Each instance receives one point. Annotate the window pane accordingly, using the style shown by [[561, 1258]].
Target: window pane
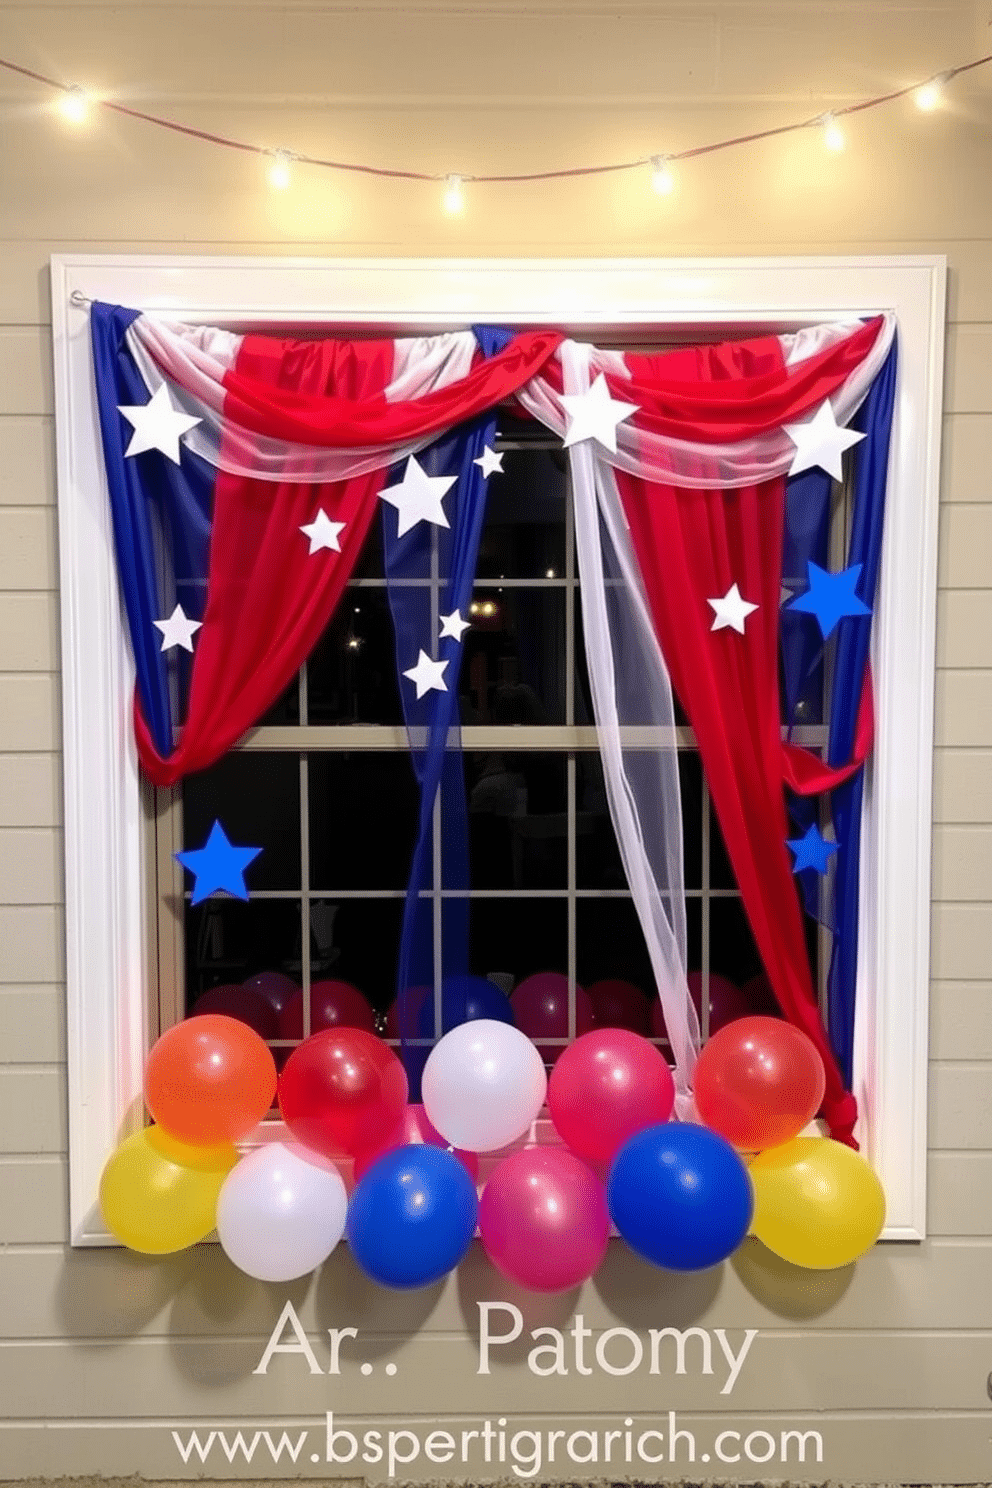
[[351, 674], [524, 536], [513, 670], [518, 828], [609, 944], [732, 950], [366, 940], [598, 864], [363, 816], [228, 940], [517, 937], [256, 799]]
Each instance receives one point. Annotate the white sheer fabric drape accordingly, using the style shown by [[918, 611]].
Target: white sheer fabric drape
[[635, 719]]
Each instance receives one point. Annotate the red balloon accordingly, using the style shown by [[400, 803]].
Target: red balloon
[[607, 1086], [413, 1129], [540, 1006], [619, 1004], [209, 1080], [332, 1005], [341, 1091], [758, 1082], [727, 1003], [543, 1219], [243, 1003]]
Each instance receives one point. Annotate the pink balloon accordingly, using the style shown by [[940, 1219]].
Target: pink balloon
[[540, 1006], [332, 1005], [607, 1086], [414, 1129], [276, 988], [543, 1219], [243, 1003], [727, 1003], [619, 1004]]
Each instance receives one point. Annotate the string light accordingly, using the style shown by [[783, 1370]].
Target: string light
[[833, 135], [74, 105], [453, 201], [930, 94], [279, 172], [662, 179]]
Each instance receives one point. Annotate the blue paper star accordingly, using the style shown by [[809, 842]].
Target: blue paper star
[[218, 865], [830, 596], [811, 850]]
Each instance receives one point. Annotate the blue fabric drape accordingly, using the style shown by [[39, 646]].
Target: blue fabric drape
[[161, 515], [853, 639], [450, 554], [834, 901]]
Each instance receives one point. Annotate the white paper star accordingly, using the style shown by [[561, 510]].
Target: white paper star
[[821, 441], [453, 625], [489, 462], [418, 497], [178, 630], [595, 415], [428, 675], [731, 611], [323, 533], [157, 425]]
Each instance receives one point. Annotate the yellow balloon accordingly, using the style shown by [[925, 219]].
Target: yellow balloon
[[817, 1203], [157, 1195]]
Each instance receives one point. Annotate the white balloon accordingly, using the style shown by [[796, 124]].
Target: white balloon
[[483, 1085], [281, 1212]]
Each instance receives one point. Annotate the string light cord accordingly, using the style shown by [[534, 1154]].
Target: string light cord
[[612, 168]]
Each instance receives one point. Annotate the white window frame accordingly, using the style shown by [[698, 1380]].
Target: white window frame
[[107, 918]]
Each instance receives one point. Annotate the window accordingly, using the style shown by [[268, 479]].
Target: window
[[114, 938]]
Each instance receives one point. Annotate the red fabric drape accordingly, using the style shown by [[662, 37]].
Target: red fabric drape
[[691, 547], [268, 598], [345, 417]]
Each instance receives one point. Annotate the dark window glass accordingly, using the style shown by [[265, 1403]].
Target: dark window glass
[[363, 815], [732, 950], [351, 675], [524, 535], [518, 828], [228, 940], [518, 937], [513, 665], [256, 799]]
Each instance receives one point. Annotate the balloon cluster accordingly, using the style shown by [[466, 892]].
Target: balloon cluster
[[682, 1195]]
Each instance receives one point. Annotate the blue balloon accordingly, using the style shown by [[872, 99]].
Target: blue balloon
[[680, 1196], [464, 998], [412, 1216]]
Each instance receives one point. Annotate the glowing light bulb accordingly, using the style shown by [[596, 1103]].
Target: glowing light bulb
[[453, 201], [833, 135], [74, 105], [928, 96], [279, 173], [661, 176]]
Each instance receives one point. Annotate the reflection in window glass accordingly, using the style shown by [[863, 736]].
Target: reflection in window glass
[[363, 814], [256, 799]]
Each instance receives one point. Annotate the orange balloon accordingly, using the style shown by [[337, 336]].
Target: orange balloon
[[209, 1080], [758, 1081]]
